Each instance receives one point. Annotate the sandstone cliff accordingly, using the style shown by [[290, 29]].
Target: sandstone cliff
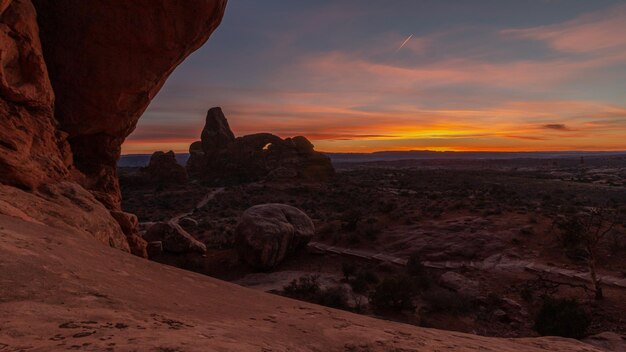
[[74, 78]]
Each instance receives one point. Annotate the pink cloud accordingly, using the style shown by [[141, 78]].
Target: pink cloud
[[598, 31]]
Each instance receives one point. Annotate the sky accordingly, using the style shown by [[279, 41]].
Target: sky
[[362, 76]]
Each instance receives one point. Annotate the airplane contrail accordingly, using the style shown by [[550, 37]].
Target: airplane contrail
[[404, 42]]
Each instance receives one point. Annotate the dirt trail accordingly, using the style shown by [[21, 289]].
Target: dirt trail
[[496, 262]]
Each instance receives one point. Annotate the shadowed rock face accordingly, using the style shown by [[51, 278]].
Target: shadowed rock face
[[220, 156], [107, 60], [163, 168], [32, 151], [66, 109]]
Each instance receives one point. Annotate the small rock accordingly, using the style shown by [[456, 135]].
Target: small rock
[[460, 284], [155, 248], [174, 239]]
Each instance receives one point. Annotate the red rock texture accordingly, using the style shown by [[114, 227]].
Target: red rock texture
[[74, 78], [107, 60], [32, 151]]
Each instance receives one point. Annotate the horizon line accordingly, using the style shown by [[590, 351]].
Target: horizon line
[[434, 151]]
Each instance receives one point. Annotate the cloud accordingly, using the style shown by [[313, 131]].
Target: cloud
[[477, 88], [556, 126], [527, 138], [594, 32]]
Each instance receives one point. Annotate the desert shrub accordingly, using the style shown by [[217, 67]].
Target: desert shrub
[[351, 219], [307, 288], [348, 270], [394, 294], [387, 207], [562, 317], [571, 232], [527, 294], [334, 297], [416, 269], [362, 280], [369, 229], [441, 300], [353, 239]]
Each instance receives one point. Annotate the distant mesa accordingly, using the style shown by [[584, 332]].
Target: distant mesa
[[220, 156], [164, 169]]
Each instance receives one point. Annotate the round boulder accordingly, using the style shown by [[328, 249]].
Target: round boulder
[[267, 233]]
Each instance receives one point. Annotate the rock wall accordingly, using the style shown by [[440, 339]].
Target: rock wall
[[107, 59], [75, 76], [33, 151]]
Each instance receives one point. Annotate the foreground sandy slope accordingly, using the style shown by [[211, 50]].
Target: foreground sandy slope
[[65, 291]]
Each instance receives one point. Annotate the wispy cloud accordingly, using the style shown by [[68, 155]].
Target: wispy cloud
[[462, 86], [596, 32]]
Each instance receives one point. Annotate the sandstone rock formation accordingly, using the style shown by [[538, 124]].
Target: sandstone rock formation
[[107, 60], [65, 109], [174, 239], [163, 168], [219, 156], [32, 150], [65, 206], [130, 227], [267, 233]]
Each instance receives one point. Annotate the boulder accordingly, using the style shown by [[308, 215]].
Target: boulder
[[130, 227], [163, 168], [459, 283], [174, 239], [219, 156], [154, 249], [607, 341], [268, 233]]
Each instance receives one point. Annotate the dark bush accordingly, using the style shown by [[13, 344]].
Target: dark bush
[[394, 294], [307, 288], [362, 281], [419, 273], [334, 297], [348, 270], [441, 300], [562, 317]]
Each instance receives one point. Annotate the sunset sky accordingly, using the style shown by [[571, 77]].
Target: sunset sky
[[474, 75]]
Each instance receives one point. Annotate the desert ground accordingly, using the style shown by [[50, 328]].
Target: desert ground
[[483, 231]]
